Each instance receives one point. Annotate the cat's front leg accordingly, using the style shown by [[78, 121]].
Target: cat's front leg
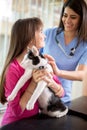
[[37, 92], [20, 83]]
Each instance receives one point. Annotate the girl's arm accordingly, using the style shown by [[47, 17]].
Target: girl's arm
[[36, 77], [51, 79], [55, 85], [27, 94]]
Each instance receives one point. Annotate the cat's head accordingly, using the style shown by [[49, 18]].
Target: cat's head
[[34, 59]]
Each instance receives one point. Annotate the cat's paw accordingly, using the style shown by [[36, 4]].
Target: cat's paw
[[62, 113], [10, 98], [29, 106]]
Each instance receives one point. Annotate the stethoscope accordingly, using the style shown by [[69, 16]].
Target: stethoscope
[[72, 50]]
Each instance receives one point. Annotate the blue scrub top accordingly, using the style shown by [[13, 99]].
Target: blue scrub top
[[64, 62]]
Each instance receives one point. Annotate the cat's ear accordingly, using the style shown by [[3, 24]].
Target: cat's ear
[[28, 49], [35, 51]]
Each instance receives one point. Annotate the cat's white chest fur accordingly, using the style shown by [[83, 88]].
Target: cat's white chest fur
[[44, 98]]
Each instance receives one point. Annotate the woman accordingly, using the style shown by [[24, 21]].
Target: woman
[[25, 33], [67, 44]]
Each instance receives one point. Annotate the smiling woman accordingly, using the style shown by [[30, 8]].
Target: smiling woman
[[71, 22], [67, 43]]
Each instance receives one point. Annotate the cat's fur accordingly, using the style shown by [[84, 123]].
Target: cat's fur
[[49, 103]]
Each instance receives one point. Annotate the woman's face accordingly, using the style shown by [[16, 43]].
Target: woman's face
[[71, 20], [39, 38]]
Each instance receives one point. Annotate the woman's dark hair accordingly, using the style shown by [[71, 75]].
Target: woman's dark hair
[[80, 7], [22, 33]]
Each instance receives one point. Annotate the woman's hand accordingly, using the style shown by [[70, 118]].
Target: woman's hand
[[51, 61]]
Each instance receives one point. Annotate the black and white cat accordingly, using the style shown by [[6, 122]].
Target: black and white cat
[[49, 103]]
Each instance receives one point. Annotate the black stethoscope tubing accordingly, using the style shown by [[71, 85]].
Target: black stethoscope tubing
[[72, 51]]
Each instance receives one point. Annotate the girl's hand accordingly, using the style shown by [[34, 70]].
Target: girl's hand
[[38, 75], [56, 87]]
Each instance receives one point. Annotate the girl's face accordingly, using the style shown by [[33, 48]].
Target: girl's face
[[39, 38], [71, 20]]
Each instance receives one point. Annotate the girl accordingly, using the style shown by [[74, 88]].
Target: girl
[[25, 33]]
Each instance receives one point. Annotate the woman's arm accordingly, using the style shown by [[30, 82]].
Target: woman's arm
[[78, 74]]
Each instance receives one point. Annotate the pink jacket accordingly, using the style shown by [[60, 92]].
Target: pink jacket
[[14, 111]]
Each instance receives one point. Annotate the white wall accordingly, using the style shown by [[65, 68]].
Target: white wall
[[77, 89]]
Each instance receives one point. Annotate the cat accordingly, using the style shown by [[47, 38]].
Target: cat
[[49, 103]]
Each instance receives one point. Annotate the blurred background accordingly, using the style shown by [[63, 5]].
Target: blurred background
[[11, 10]]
